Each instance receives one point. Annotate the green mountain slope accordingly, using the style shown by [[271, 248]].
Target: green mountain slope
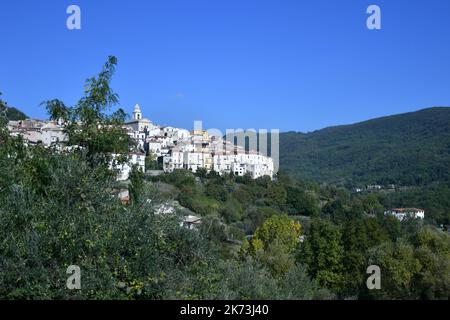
[[407, 149], [15, 114], [10, 113]]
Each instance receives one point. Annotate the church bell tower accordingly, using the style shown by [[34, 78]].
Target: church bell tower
[[137, 114]]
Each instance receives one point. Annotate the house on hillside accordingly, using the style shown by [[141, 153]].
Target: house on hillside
[[191, 222], [124, 170], [404, 213]]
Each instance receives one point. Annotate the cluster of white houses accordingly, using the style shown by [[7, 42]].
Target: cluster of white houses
[[179, 148], [174, 148], [37, 131]]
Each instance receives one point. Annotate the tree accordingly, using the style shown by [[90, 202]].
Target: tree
[[201, 173], [392, 226], [3, 121], [336, 210], [232, 210], [358, 236], [180, 178], [213, 228], [371, 205], [276, 196], [399, 267], [297, 285], [322, 252], [256, 216], [245, 179], [244, 195], [58, 209], [302, 202], [151, 162], [88, 124], [217, 191], [248, 279], [136, 184], [432, 249], [279, 229], [3, 107], [273, 244]]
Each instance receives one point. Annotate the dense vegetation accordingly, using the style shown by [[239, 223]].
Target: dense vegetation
[[15, 114], [407, 149], [60, 208], [343, 233], [259, 239]]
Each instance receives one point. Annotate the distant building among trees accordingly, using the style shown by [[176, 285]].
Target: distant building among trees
[[405, 213]]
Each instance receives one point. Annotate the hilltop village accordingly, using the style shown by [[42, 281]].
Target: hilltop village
[[173, 148]]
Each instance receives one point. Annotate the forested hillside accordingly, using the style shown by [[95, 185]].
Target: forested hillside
[[15, 114], [406, 149]]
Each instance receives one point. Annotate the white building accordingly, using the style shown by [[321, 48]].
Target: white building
[[124, 170], [36, 131], [51, 134], [138, 123], [155, 147], [182, 149], [405, 213], [225, 163], [174, 160], [154, 131]]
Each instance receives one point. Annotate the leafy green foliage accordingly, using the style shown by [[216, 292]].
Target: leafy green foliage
[[278, 229], [344, 233], [302, 202], [151, 162], [136, 184], [15, 114], [273, 244], [88, 124], [358, 236], [323, 253], [232, 210], [217, 191], [276, 195]]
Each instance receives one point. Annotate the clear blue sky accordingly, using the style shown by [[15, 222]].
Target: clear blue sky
[[292, 65]]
